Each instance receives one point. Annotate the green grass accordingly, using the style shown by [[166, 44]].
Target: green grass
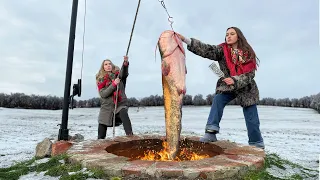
[[275, 168], [281, 167], [53, 167], [115, 178], [17, 170]]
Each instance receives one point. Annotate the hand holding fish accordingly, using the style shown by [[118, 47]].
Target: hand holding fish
[[180, 36], [228, 81]]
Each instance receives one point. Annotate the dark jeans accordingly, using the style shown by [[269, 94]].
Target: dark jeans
[[124, 117], [250, 115]]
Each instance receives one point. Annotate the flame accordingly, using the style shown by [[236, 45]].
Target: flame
[[163, 155]]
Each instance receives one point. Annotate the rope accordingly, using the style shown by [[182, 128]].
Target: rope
[[115, 105], [134, 22], [83, 35], [171, 22], [169, 17]]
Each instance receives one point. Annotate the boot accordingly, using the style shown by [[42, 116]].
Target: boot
[[208, 137]]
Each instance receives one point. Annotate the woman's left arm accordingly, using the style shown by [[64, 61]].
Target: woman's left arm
[[243, 80], [124, 73]]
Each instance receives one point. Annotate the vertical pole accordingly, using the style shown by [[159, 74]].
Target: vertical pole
[[63, 131]]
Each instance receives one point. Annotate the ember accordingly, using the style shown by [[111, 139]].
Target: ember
[[155, 150], [184, 154]]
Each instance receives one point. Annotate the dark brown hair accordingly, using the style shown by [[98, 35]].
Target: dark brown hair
[[243, 44]]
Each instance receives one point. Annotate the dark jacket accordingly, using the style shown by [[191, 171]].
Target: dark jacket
[[245, 87], [107, 103]]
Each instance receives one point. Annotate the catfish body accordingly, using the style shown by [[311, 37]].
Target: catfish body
[[173, 68]]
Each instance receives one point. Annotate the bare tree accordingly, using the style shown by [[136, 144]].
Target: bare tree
[[209, 99], [21, 100], [315, 103], [187, 100], [198, 100]]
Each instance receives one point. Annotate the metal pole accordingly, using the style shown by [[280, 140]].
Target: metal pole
[[63, 131]]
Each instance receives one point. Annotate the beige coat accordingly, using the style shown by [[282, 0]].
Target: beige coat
[[106, 99]]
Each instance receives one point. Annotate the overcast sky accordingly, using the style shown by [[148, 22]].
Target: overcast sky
[[34, 42]]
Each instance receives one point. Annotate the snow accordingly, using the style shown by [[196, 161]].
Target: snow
[[293, 133]]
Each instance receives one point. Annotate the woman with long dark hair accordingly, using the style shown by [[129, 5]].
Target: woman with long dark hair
[[238, 62]]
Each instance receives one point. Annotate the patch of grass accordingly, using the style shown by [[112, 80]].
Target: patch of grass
[[17, 170], [18, 165], [260, 175], [14, 174], [63, 169], [115, 178], [97, 173], [53, 162], [53, 167], [76, 176], [281, 166], [296, 176]]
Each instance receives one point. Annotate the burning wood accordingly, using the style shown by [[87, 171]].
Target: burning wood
[[184, 154]]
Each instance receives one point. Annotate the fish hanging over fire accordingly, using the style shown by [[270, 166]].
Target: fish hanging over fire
[[173, 67]]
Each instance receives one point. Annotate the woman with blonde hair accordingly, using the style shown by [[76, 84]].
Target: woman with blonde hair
[[107, 82]]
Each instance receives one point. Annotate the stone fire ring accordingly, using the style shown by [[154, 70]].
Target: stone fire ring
[[231, 160]]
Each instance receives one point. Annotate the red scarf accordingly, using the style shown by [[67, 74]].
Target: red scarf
[[237, 66], [106, 81]]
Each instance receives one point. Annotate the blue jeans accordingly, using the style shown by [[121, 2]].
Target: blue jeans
[[250, 115]]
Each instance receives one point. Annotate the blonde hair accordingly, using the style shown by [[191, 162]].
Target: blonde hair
[[102, 73]]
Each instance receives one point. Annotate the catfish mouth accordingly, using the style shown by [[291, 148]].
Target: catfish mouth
[[172, 35]]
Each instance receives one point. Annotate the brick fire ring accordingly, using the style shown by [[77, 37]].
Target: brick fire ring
[[228, 160]]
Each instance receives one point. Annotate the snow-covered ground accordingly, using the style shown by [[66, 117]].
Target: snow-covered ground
[[293, 133]]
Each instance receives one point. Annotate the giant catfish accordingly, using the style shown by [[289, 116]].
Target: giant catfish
[[173, 67]]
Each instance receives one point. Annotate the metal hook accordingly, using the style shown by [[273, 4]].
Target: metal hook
[[170, 20], [163, 5]]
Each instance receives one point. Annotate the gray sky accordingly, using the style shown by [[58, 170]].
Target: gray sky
[[34, 41]]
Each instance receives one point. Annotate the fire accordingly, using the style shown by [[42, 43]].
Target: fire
[[163, 155]]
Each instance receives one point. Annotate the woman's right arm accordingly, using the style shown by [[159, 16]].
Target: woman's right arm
[[199, 48], [106, 91]]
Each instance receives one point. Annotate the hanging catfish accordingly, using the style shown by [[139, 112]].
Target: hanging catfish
[[173, 67]]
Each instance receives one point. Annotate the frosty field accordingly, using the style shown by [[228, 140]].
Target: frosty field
[[292, 133]]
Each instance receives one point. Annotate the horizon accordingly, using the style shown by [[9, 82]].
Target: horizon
[[139, 98]]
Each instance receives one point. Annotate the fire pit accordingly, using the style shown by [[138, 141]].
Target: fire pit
[[143, 157], [154, 149]]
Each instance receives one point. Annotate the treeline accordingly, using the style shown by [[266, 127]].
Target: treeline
[[21, 100]]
